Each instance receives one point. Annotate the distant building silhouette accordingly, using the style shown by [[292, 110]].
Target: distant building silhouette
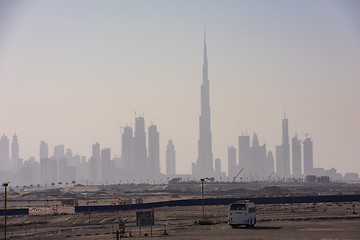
[[170, 159], [59, 152], [15, 152], [82, 172], [204, 164], [106, 165], [269, 164], [258, 163], [69, 157], [44, 150], [30, 172], [140, 154], [94, 163], [296, 157], [72, 165], [308, 156], [253, 160], [76, 161], [232, 166], [53, 176], [63, 169], [127, 150], [154, 150], [279, 160], [45, 171], [351, 177], [138, 162], [285, 148], [244, 155], [4, 153]]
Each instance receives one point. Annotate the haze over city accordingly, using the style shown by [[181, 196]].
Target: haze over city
[[76, 73]]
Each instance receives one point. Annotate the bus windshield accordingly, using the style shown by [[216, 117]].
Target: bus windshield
[[239, 207]]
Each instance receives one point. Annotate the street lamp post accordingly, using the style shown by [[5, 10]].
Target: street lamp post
[[5, 186], [202, 195]]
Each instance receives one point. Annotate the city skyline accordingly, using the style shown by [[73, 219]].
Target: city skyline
[[254, 162], [77, 84]]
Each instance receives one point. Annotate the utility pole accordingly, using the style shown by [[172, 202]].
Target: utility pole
[[5, 186], [202, 195]]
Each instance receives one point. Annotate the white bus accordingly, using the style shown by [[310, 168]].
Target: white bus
[[242, 213]]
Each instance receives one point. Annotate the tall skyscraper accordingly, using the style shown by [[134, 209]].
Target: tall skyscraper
[[140, 152], [15, 152], [82, 171], [44, 150], [59, 152], [279, 160], [232, 168], [308, 156], [257, 164], [53, 171], [4, 153], [106, 164], [296, 157], [69, 156], [127, 150], [170, 159], [63, 169], [285, 147], [244, 155], [45, 171], [154, 151], [204, 164], [94, 163], [270, 163]]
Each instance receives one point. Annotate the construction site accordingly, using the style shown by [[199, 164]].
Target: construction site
[[284, 210]]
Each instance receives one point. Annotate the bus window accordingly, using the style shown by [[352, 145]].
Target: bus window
[[251, 210], [238, 207]]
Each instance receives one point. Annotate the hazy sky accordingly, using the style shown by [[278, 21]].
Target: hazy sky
[[73, 72]]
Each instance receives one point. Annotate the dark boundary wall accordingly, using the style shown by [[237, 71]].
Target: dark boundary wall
[[219, 201], [18, 211]]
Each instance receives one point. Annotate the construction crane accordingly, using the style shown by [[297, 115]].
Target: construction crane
[[272, 175], [237, 175]]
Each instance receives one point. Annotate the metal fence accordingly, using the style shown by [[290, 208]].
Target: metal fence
[[219, 201], [19, 211]]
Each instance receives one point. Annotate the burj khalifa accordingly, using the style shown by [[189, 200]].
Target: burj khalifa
[[204, 165]]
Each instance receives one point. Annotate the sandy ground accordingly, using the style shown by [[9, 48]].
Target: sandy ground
[[49, 219], [311, 229], [300, 221]]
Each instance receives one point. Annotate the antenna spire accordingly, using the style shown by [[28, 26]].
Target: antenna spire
[[205, 51], [204, 35]]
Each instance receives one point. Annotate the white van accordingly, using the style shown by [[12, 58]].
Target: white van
[[242, 213]]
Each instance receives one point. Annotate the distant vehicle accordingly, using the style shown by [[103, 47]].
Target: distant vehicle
[[242, 213]]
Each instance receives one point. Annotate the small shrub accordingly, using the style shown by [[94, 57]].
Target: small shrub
[[205, 222]]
